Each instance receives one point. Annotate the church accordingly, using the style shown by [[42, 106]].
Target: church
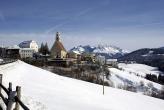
[[58, 51]]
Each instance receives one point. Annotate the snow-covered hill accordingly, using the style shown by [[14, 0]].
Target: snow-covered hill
[[44, 90], [132, 75], [105, 50], [140, 69]]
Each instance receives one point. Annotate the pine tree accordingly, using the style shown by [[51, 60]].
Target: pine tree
[[46, 49], [41, 48]]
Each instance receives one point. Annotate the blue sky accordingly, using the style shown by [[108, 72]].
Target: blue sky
[[129, 24]]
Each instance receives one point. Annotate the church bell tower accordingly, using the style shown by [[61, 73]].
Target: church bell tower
[[57, 36]]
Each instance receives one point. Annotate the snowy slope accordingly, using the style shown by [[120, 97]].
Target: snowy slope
[[140, 69], [106, 50], [133, 75], [126, 78], [46, 90]]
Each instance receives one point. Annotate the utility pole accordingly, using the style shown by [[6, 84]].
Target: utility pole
[[103, 80], [103, 70], [102, 64]]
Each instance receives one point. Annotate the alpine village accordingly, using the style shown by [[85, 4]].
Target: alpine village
[[80, 68], [84, 65]]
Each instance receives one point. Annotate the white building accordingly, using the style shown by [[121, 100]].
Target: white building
[[112, 62], [29, 44], [100, 59], [26, 52]]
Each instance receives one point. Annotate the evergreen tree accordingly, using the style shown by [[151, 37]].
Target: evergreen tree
[[41, 48], [46, 49]]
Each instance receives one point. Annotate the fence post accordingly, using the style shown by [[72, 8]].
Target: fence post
[[0, 86], [10, 98], [10, 86], [18, 90], [0, 81]]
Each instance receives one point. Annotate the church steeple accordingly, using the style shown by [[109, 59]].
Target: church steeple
[[57, 36], [58, 50]]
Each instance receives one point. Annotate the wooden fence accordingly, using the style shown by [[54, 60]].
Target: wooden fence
[[13, 97], [7, 61]]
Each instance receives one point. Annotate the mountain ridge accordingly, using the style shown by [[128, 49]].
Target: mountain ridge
[[109, 51], [149, 56]]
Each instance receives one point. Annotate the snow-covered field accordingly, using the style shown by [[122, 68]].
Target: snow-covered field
[[44, 90], [139, 69], [133, 75]]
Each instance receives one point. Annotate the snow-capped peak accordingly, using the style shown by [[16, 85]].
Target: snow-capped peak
[[105, 50], [109, 49]]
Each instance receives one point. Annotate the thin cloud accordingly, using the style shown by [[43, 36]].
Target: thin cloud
[[137, 27], [79, 14], [52, 29], [83, 12]]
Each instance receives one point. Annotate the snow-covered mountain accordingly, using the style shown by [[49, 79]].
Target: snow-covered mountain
[[108, 51], [43, 90], [82, 49]]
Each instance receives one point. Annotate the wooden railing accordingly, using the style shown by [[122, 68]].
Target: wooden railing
[[12, 97], [7, 61]]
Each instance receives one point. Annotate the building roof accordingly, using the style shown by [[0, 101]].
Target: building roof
[[112, 60], [75, 52], [58, 45], [26, 44], [14, 47], [27, 49]]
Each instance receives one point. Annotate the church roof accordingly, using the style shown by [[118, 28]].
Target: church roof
[[58, 45]]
